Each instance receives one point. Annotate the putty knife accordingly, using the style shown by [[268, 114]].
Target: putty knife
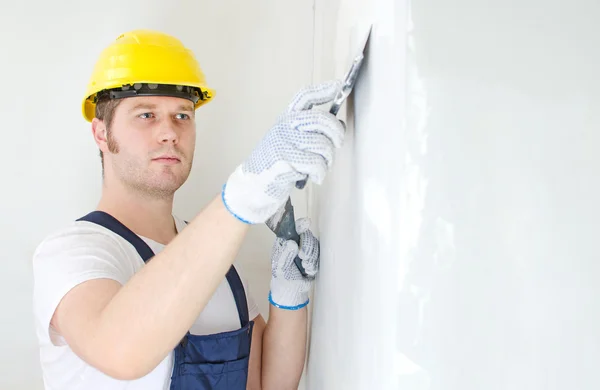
[[347, 87], [283, 224]]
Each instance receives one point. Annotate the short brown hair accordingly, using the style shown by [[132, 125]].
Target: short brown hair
[[105, 111]]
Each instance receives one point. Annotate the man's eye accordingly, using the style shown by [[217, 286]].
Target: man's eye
[[145, 115], [183, 116]]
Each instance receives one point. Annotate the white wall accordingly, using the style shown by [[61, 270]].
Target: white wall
[[255, 54], [358, 207], [470, 259]]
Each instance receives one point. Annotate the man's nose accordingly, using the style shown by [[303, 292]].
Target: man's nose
[[168, 133]]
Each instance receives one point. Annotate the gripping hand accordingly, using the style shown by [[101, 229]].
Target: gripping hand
[[299, 146]]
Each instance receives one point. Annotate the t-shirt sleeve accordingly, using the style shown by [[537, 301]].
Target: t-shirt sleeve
[[253, 309], [67, 258]]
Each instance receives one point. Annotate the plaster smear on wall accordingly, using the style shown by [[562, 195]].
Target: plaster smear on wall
[[414, 294], [459, 224], [368, 210]]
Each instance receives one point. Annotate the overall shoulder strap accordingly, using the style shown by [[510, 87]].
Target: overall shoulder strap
[[239, 294], [108, 221]]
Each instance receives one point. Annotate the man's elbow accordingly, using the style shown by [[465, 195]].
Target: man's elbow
[[123, 366], [120, 358], [126, 373], [120, 355], [123, 373]]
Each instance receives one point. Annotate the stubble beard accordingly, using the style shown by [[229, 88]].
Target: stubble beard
[[147, 182]]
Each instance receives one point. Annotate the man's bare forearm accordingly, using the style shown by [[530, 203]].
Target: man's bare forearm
[[150, 314], [284, 348]]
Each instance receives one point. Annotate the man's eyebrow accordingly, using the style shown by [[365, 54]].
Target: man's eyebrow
[[144, 106], [186, 107], [149, 106]]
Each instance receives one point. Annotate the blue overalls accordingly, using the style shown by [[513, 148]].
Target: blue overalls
[[210, 362]]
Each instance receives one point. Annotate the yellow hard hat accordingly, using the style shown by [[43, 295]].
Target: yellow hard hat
[[146, 62]]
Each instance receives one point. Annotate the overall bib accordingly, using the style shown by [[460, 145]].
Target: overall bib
[[210, 362]]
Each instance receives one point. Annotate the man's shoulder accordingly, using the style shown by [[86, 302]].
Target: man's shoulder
[[76, 235]]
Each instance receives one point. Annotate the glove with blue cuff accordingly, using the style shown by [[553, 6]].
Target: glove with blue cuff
[[289, 289], [300, 146]]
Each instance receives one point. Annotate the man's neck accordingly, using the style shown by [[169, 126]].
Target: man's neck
[[144, 215]]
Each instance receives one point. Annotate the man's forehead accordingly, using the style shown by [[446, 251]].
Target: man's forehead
[[158, 102]]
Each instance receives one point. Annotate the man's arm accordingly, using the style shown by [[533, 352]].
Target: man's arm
[[278, 350], [285, 335], [255, 364], [126, 331], [284, 348]]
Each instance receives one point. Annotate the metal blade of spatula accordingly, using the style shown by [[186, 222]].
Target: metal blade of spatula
[[283, 223], [347, 87]]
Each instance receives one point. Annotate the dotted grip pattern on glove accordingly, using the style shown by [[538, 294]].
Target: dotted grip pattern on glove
[[289, 289], [299, 146]]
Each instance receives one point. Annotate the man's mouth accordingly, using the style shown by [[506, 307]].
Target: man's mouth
[[167, 159]]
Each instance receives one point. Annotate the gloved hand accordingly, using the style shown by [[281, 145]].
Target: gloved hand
[[299, 146], [289, 289]]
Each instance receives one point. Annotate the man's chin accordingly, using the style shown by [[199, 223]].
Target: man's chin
[[160, 188], [160, 192]]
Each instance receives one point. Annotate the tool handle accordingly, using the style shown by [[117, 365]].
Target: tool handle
[[286, 229]]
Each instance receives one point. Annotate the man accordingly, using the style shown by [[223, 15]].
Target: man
[[130, 296]]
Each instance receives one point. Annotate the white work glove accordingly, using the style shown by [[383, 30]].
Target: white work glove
[[299, 146], [289, 289]]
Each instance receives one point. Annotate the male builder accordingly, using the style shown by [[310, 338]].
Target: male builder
[[125, 297]]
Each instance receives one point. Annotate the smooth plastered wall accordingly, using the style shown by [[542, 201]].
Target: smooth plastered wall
[[358, 207], [459, 227]]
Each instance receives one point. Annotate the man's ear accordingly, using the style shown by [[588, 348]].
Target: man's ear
[[99, 132]]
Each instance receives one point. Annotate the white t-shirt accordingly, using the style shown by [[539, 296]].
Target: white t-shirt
[[84, 251]]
